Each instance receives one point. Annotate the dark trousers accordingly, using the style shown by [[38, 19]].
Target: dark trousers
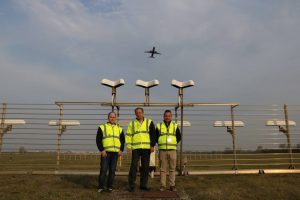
[[108, 163], [144, 154]]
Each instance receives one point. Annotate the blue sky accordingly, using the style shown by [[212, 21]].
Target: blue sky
[[234, 50]]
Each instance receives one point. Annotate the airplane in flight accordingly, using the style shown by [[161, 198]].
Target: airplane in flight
[[152, 52]]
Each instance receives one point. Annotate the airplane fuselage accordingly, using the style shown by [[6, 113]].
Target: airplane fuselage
[[152, 52]]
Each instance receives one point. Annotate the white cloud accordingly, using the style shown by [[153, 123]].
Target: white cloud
[[228, 47], [41, 83]]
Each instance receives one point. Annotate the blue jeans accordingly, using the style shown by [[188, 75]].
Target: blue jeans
[[108, 163]]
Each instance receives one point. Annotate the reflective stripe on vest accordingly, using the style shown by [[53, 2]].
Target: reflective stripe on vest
[[111, 137], [167, 140]]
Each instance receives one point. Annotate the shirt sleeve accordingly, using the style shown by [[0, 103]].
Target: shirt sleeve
[[178, 135], [122, 140], [152, 133], [156, 135], [99, 138]]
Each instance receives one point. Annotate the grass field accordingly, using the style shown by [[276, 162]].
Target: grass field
[[213, 187], [197, 187], [90, 162]]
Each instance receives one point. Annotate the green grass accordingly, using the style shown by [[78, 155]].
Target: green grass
[[90, 162], [216, 187]]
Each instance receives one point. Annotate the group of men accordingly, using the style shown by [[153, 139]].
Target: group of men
[[141, 138]]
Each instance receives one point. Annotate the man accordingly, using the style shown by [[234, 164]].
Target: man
[[167, 136], [140, 140], [110, 142]]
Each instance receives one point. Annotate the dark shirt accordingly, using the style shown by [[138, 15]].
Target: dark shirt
[[152, 134], [178, 134], [99, 138]]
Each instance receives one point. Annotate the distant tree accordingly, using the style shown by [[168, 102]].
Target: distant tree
[[259, 148], [228, 150], [22, 150], [282, 146], [239, 150], [297, 148]]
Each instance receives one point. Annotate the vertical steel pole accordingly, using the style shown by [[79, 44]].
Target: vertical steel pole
[[60, 131], [118, 112], [1, 139], [2, 125], [181, 128], [233, 137], [113, 98], [176, 119], [287, 133], [147, 96]]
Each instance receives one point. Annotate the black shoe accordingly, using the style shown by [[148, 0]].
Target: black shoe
[[131, 189], [173, 189], [146, 189]]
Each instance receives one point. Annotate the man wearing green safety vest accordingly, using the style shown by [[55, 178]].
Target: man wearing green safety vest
[[140, 141], [167, 136], [110, 142]]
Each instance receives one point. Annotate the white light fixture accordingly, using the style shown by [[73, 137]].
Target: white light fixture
[[114, 85], [62, 127], [147, 85], [64, 123], [283, 126], [228, 124], [231, 129], [110, 83], [181, 86], [184, 84], [9, 125], [184, 123], [279, 123], [13, 121]]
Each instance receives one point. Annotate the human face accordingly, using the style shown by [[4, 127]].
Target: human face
[[139, 114], [167, 117], [112, 118]]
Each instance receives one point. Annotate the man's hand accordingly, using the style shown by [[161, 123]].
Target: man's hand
[[129, 151], [152, 149], [120, 153], [103, 154]]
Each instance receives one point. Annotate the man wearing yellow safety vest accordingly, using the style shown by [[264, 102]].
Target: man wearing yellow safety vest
[[167, 136], [140, 141], [110, 142]]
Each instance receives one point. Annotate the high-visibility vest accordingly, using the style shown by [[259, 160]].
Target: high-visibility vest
[[167, 136], [111, 137], [137, 134]]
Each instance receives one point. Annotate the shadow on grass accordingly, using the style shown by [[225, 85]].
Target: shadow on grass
[[87, 182], [91, 182]]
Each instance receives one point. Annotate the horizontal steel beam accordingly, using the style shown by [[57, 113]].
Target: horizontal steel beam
[[201, 172], [156, 104]]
